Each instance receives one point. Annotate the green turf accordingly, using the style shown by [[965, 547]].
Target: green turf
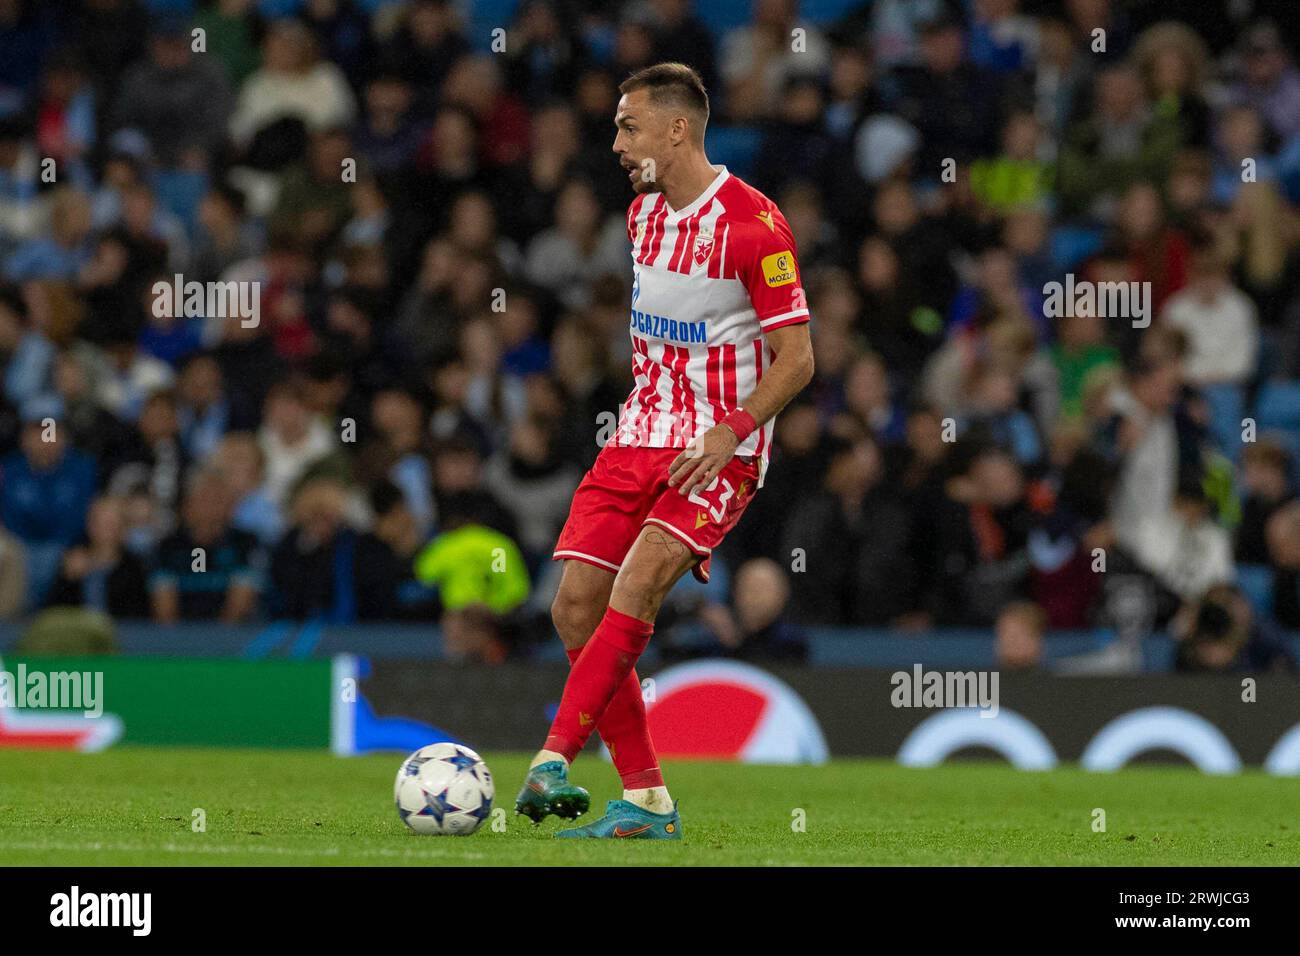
[[134, 806]]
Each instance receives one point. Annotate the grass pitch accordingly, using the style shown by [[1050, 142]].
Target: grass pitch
[[135, 806]]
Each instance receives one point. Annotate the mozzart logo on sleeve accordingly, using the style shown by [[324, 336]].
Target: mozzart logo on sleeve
[[778, 268]]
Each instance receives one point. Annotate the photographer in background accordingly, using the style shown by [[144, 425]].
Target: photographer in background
[[1221, 634]]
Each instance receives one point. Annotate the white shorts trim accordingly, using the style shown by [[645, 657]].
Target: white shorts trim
[[585, 557]]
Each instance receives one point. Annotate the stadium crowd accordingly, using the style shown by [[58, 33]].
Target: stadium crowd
[[436, 226]]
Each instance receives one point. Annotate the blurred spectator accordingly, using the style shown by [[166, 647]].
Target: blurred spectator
[[978, 544], [100, 573], [62, 253], [203, 411], [293, 83], [953, 103], [1003, 39], [426, 44], [13, 576], [1121, 142], [398, 418], [206, 570], [473, 634], [45, 488], [472, 564], [1019, 176], [1270, 81], [1187, 550], [755, 627], [758, 60], [126, 376], [1221, 633], [65, 115], [581, 247], [313, 566], [386, 587], [1265, 487], [224, 235], [1220, 321], [230, 26], [850, 540], [179, 101], [1172, 59], [154, 458], [535, 485], [242, 466], [1018, 636], [290, 439], [680, 36]]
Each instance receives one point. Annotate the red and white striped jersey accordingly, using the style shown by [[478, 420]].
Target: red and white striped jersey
[[708, 282]]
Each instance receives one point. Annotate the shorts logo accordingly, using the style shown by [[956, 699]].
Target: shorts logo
[[778, 269], [701, 519]]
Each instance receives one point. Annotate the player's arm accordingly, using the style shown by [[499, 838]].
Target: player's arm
[[791, 370]]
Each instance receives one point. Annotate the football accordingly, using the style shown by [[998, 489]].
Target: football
[[443, 790]]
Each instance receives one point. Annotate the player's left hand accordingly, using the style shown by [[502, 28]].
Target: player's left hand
[[701, 460]]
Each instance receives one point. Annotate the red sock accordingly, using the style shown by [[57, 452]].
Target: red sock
[[626, 733], [601, 668]]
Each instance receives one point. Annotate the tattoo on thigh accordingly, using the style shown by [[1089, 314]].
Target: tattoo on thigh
[[667, 542]]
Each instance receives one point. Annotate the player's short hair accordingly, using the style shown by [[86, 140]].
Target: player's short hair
[[672, 84]]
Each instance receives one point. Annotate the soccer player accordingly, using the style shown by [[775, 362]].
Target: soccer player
[[720, 344]]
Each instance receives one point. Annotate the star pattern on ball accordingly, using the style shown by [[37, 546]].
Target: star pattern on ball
[[461, 761], [414, 764], [434, 806]]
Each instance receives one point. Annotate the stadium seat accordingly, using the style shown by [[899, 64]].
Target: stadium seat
[[180, 191], [1227, 406], [1256, 582], [1278, 406], [721, 17], [1070, 245], [488, 15]]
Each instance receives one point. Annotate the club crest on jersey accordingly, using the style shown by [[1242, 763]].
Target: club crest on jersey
[[703, 246]]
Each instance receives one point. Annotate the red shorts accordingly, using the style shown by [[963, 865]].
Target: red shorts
[[627, 488]]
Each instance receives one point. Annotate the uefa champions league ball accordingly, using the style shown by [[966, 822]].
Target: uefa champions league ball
[[443, 789]]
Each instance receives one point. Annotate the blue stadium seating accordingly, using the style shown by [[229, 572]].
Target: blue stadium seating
[[735, 147], [1279, 406], [1227, 406], [1256, 582], [1070, 245]]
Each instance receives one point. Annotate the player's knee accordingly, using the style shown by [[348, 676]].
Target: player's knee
[[642, 585], [575, 617]]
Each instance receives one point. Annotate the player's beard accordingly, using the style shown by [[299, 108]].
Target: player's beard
[[641, 185]]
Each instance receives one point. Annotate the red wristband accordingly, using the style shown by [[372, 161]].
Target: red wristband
[[740, 422]]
